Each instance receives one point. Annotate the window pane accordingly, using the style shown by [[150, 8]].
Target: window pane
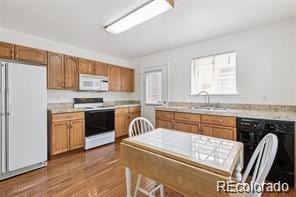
[[153, 87], [215, 74]]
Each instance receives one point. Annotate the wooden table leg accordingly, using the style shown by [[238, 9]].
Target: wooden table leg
[[128, 177]]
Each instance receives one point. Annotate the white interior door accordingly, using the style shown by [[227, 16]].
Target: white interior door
[[154, 90], [27, 134]]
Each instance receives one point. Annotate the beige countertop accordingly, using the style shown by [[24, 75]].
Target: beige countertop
[[244, 113], [69, 108]]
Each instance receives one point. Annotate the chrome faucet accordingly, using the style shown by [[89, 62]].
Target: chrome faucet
[[208, 97]]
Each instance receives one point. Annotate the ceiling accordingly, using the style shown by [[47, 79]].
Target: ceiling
[[80, 22]]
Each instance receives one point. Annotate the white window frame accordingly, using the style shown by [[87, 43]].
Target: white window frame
[[162, 99], [215, 94], [161, 67]]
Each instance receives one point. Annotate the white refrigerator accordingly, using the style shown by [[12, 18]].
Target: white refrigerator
[[23, 136]]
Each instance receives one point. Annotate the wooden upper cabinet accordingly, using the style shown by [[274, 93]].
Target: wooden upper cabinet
[[55, 71], [101, 69], [126, 79], [86, 66], [32, 55], [6, 50], [71, 72], [114, 78]]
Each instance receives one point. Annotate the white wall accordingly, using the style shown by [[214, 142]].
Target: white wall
[[266, 65], [7, 35], [61, 96]]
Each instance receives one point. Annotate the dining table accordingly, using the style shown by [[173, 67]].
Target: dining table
[[188, 163]]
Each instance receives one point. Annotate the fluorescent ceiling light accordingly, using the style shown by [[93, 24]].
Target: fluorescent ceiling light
[[149, 10]]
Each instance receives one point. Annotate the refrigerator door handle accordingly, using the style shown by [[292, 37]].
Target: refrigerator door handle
[[7, 122], [3, 119]]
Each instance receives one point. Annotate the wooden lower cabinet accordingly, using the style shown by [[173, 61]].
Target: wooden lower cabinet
[[76, 134], [59, 137], [187, 127], [209, 125], [133, 115], [219, 132], [123, 118], [121, 124], [167, 124], [66, 132]]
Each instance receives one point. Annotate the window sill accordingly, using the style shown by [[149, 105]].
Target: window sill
[[233, 94]]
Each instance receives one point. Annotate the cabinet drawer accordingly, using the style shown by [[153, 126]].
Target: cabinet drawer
[[134, 109], [67, 116], [187, 117], [219, 120], [164, 115], [121, 110]]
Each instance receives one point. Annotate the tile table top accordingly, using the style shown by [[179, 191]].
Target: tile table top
[[216, 154]]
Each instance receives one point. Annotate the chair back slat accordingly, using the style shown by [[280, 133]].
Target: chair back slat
[[264, 156], [139, 126]]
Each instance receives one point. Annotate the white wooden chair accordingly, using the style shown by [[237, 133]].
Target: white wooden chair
[[264, 156], [139, 126]]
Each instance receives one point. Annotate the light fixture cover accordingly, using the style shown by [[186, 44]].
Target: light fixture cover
[[140, 15]]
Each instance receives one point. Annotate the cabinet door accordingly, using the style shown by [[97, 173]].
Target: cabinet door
[[167, 124], [55, 71], [187, 127], [219, 132], [101, 69], [76, 134], [114, 78], [126, 80], [225, 133], [6, 50], [71, 72], [86, 66], [133, 115], [207, 130], [60, 138], [27, 54], [121, 124]]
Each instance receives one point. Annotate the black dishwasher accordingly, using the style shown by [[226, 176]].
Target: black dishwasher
[[251, 131]]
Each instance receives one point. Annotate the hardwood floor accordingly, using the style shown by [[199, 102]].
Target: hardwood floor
[[93, 173]]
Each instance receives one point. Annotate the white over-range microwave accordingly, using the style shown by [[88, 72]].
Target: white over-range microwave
[[93, 83]]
